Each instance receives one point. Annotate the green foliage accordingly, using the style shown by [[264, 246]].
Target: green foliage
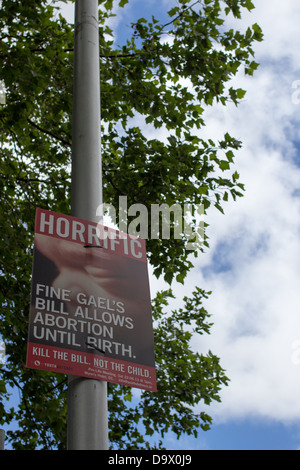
[[165, 76]]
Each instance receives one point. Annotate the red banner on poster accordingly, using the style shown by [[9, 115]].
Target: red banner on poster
[[90, 312]]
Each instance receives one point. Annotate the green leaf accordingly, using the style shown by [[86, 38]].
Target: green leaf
[[224, 165], [240, 93], [173, 11], [109, 4], [219, 207]]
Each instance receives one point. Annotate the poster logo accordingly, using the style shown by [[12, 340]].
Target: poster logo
[[90, 312]]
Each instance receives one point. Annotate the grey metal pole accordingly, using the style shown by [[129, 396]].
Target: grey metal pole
[[87, 398]]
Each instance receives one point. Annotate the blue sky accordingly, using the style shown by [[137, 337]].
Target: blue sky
[[253, 264], [246, 434]]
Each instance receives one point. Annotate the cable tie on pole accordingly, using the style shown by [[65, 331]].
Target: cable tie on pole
[[92, 246], [94, 347]]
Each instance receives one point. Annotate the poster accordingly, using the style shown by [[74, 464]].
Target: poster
[[90, 312]]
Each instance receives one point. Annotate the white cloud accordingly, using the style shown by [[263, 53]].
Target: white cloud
[[253, 264], [66, 9]]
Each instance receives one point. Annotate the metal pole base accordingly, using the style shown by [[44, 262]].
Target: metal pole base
[[87, 414]]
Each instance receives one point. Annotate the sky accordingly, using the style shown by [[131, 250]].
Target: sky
[[253, 264]]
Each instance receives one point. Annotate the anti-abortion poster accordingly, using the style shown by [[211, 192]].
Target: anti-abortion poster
[[90, 312]]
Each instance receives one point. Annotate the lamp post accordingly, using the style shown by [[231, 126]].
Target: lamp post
[[87, 398]]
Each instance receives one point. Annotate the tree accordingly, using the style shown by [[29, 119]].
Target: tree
[[166, 75]]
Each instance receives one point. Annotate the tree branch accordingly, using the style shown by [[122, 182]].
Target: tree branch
[[51, 134]]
